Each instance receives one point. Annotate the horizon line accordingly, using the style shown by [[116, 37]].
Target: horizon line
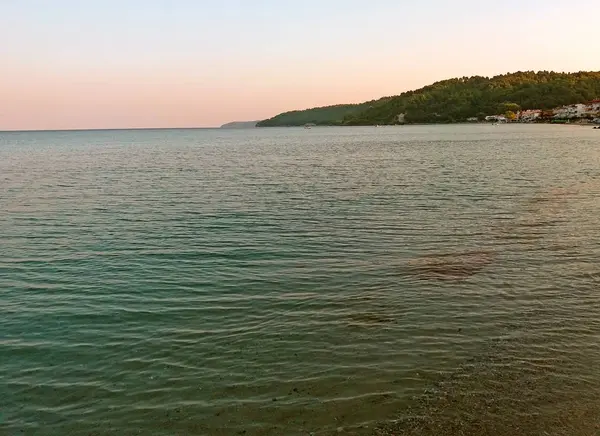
[[102, 129]]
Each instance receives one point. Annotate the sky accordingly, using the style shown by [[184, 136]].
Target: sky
[[77, 64]]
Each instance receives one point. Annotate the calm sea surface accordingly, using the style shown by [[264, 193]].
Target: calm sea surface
[[439, 280]]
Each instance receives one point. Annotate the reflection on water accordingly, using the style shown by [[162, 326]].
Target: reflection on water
[[529, 223]]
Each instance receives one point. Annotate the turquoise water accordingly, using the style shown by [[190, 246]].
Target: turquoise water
[[401, 280]]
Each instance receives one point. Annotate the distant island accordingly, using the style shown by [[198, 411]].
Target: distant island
[[548, 95], [240, 125]]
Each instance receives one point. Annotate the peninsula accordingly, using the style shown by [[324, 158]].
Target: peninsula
[[240, 125]]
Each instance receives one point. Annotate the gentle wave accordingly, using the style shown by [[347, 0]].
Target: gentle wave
[[420, 280]]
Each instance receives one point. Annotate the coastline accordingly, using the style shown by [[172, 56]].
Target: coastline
[[467, 123]]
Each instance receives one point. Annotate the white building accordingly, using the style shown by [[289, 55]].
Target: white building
[[529, 116], [572, 111], [496, 118]]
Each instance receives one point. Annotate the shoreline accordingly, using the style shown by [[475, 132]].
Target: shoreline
[[438, 124]]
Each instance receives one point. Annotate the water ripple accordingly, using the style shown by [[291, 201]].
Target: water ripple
[[420, 280]]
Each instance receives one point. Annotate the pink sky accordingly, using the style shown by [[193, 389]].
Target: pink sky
[[200, 64], [48, 101]]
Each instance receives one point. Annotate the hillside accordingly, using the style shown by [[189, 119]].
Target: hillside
[[321, 116], [455, 100], [458, 99]]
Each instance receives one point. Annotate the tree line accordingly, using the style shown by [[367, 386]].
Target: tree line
[[456, 100]]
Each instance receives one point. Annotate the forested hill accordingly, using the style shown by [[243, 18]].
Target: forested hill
[[455, 100], [458, 99], [322, 116]]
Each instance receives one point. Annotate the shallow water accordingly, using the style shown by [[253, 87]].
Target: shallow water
[[401, 280]]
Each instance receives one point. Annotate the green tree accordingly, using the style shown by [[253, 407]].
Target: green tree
[[509, 107], [458, 99]]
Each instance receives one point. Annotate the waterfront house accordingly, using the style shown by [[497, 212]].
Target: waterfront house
[[496, 118], [529, 116], [571, 111]]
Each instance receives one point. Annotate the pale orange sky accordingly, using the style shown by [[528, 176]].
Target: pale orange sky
[[199, 64]]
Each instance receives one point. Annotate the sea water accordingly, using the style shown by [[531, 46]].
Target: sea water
[[399, 280]]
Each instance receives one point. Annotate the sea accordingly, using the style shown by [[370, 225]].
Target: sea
[[398, 280]]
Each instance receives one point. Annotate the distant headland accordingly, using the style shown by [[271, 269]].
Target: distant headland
[[543, 96], [240, 125]]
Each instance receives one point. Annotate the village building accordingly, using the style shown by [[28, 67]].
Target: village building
[[529, 116], [496, 118], [571, 111]]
